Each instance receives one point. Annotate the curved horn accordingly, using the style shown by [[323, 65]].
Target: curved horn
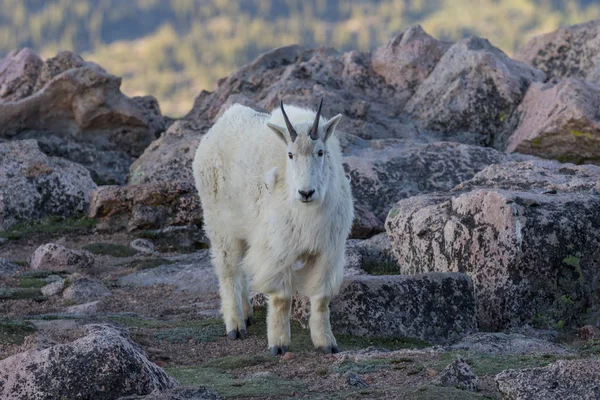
[[288, 124], [314, 131]]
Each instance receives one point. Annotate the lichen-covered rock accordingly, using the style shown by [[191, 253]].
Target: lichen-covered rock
[[566, 380], [107, 167], [83, 289], [382, 172], [147, 206], [559, 121], [364, 255], [438, 308], [53, 288], [472, 91], [528, 233], [570, 51], [19, 70], [103, 364], [33, 185], [408, 59], [79, 99], [55, 257], [458, 374], [142, 245]]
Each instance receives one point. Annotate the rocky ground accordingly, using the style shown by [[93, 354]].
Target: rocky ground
[[472, 268]]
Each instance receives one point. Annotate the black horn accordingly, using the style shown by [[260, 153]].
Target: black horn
[[314, 131], [288, 124]]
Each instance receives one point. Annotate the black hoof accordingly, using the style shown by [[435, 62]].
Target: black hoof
[[278, 350], [233, 335], [250, 321], [328, 349]]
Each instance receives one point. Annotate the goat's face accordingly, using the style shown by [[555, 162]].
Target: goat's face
[[307, 157]]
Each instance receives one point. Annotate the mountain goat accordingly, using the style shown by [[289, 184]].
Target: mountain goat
[[277, 210]]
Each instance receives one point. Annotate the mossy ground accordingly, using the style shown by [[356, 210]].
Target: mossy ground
[[48, 227], [14, 331]]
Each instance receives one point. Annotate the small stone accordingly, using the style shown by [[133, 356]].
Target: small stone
[[288, 356], [8, 268], [460, 374], [589, 332], [53, 288], [83, 289], [143, 246], [55, 257], [353, 379]]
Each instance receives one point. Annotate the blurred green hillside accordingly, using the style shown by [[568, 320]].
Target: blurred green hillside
[[173, 49]]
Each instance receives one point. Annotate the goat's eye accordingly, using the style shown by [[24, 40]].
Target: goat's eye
[[290, 156], [320, 153]]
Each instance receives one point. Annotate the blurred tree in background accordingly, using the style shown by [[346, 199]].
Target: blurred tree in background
[[175, 48]]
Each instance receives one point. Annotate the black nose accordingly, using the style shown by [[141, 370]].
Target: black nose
[[306, 195]]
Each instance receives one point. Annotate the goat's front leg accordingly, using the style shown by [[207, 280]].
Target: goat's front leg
[[278, 323], [320, 326]]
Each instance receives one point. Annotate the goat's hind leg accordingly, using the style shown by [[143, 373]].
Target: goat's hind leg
[[227, 255]]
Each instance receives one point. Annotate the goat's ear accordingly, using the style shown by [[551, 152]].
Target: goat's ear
[[280, 131], [330, 125]]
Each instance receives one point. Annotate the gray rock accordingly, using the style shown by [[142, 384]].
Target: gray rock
[[473, 89], [178, 393], [84, 309], [353, 379], [528, 234], [52, 256], [107, 167], [458, 374], [19, 70], [103, 364], [570, 51], [53, 288], [147, 206], [84, 290], [507, 343], [39, 185], [362, 255], [192, 273], [566, 380], [438, 308], [385, 171], [8, 268], [569, 135], [143, 246]]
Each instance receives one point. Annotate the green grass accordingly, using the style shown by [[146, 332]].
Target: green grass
[[31, 283], [236, 362], [200, 331], [49, 226], [110, 249], [7, 293], [39, 274], [14, 332]]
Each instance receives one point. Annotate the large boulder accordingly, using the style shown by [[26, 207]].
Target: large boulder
[[33, 185], [103, 364], [559, 121], [19, 70], [147, 206], [472, 92], [80, 106], [382, 172], [528, 233], [568, 380], [436, 307], [570, 51]]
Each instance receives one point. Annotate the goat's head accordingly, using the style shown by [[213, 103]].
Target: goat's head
[[307, 155]]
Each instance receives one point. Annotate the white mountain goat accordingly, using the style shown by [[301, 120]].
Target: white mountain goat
[[277, 210]]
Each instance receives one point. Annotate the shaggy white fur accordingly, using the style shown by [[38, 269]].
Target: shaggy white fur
[[277, 212]]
